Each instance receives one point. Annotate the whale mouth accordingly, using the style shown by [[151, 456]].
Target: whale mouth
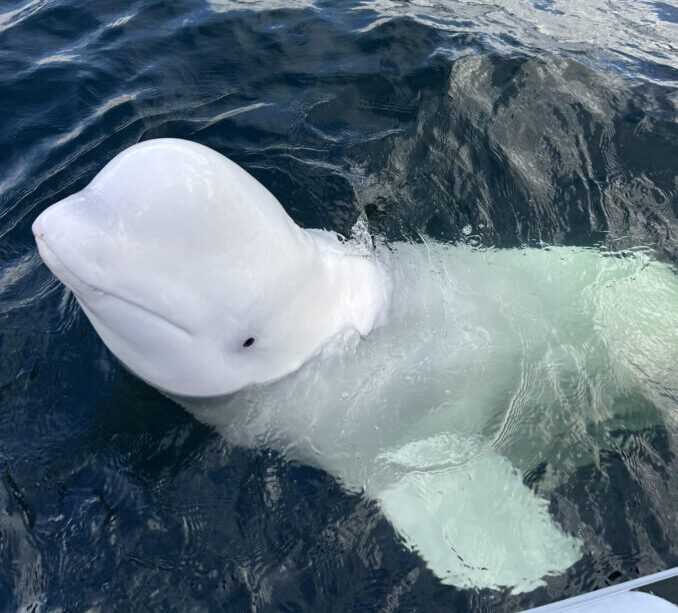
[[81, 288]]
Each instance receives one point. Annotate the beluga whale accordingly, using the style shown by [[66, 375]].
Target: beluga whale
[[430, 377]]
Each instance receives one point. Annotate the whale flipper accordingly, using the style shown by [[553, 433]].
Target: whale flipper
[[476, 524]]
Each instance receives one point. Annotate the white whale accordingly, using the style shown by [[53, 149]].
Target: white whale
[[429, 376]]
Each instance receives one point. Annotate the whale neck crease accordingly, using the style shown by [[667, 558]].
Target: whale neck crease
[[357, 285]]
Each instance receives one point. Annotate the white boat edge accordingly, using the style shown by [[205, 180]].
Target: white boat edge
[[608, 598]]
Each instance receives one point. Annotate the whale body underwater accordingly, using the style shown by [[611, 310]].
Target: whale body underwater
[[429, 376]]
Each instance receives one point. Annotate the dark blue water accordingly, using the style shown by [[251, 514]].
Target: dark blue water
[[538, 121]]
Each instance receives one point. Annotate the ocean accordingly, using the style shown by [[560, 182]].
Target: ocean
[[500, 123]]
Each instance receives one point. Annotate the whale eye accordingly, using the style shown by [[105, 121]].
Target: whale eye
[[249, 342]]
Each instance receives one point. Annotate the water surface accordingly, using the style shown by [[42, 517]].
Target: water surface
[[501, 123]]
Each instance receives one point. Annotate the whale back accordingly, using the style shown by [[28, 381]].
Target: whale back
[[571, 329]]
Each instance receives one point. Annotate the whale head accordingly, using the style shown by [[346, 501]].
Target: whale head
[[190, 270]]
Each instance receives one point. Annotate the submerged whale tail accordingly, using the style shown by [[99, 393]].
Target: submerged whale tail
[[476, 524]]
